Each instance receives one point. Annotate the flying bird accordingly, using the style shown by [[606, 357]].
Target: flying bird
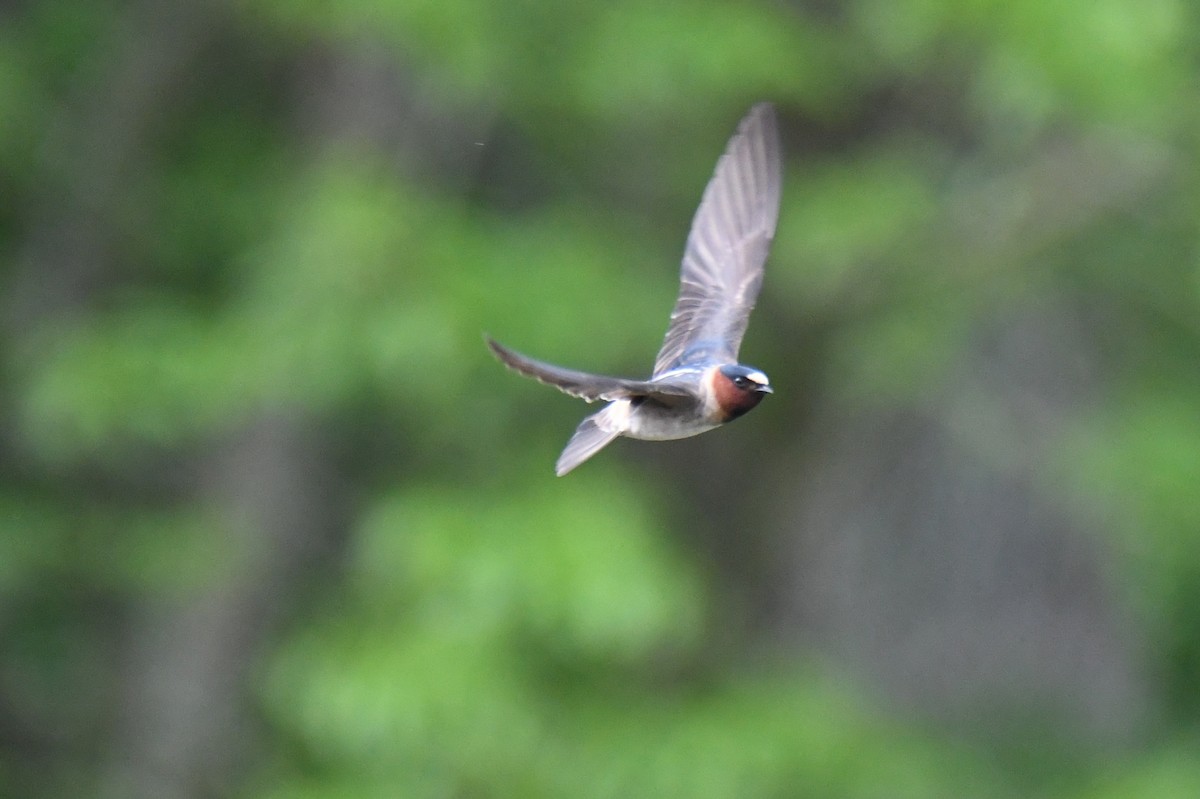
[[697, 383]]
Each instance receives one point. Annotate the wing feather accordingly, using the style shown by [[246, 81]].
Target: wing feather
[[589, 386], [731, 234]]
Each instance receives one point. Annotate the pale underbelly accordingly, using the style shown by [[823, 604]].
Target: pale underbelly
[[656, 423]]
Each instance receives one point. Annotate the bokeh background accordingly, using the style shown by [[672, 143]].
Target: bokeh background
[[274, 524]]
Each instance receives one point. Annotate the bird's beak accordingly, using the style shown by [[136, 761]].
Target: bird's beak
[[764, 389]]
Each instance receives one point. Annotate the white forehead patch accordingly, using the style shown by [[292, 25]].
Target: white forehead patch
[[758, 377]]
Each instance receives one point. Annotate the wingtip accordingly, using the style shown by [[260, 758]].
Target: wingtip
[[499, 350], [507, 357], [762, 120], [762, 111]]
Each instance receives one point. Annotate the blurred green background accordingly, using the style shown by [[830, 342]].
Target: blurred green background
[[274, 524]]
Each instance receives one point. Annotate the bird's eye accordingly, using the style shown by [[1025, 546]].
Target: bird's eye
[[740, 381]]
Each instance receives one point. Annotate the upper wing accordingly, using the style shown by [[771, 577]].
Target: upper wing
[[588, 386], [731, 233]]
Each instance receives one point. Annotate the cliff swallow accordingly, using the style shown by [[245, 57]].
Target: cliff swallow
[[697, 383]]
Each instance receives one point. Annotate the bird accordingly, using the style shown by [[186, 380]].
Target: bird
[[697, 383]]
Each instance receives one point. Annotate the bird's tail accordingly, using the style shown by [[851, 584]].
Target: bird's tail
[[593, 434]]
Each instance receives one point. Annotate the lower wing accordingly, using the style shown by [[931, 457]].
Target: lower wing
[[589, 386]]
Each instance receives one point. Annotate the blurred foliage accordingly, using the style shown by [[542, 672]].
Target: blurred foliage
[[186, 250]]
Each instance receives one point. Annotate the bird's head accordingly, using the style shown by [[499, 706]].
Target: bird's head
[[739, 388]]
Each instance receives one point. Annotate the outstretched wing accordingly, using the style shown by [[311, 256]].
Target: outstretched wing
[[589, 386], [731, 234]]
